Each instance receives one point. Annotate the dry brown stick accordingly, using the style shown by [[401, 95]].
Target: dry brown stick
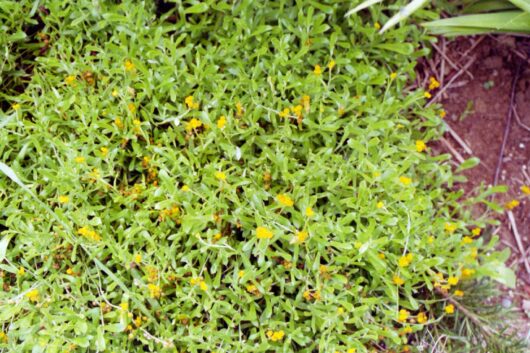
[[457, 155], [449, 61], [507, 125], [527, 177], [518, 241], [458, 139], [518, 119]]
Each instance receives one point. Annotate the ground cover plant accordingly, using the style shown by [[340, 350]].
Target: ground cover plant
[[228, 177]]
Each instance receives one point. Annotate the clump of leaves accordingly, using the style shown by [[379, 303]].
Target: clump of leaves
[[248, 177]]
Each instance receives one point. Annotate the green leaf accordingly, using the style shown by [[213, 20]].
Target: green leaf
[[498, 271], [197, 8], [468, 163]]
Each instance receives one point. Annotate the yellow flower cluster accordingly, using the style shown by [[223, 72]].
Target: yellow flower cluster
[[88, 233], [190, 103], [220, 175], [405, 180], [525, 189], [275, 335], [398, 280], [3, 337], [169, 213], [309, 295], [403, 315], [420, 146], [285, 200], [511, 204], [129, 66], [433, 83], [317, 70], [33, 295], [263, 233], [300, 237], [221, 123], [405, 260], [450, 309], [154, 290], [199, 281], [421, 318], [193, 124], [63, 199]]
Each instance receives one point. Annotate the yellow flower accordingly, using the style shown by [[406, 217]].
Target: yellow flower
[[331, 64], [217, 236], [185, 188], [377, 26], [306, 102], [422, 318], [512, 204], [459, 293], [393, 76], [398, 280], [64, 199], [404, 261], [220, 175], [380, 204], [275, 335], [420, 146], [263, 233], [427, 95], [240, 274], [203, 286], [297, 110], [449, 309], [450, 227], [434, 84], [104, 151], [239, 109], [70, 80], [115, 93], [70, 271], [285, 200], [381, 256], [468, 272], [137, 258], [284, 113], [474, 253], [16, 106], [403, 315], [33, 295], [351, 350], [300, 237], [118, 123], [405, 180], [190, 103], [340, 311], [21, 271], [357, 244], [154, 290], [406, 330], [129, 66], [79, 159], [221, 123], [442, 113], [3, 337], [124, 306], [193, 124], [317, 70], [467, 240], [430, 239], [453, 281], [525, 190], [309, 212], [89, 233], [131, 107], [476, 231]]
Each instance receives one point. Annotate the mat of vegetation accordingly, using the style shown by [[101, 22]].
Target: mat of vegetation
[[224, 177]]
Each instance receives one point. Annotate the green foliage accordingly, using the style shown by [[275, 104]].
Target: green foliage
[[157, 195], [482, 17]]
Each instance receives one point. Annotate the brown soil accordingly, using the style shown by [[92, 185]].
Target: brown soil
[[477, 104]]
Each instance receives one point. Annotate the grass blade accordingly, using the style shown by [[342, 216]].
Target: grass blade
[[403, 13], [522, 4], [362, 6], [502, 22]]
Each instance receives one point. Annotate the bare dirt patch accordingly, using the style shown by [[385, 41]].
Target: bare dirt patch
[[477, 76]]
